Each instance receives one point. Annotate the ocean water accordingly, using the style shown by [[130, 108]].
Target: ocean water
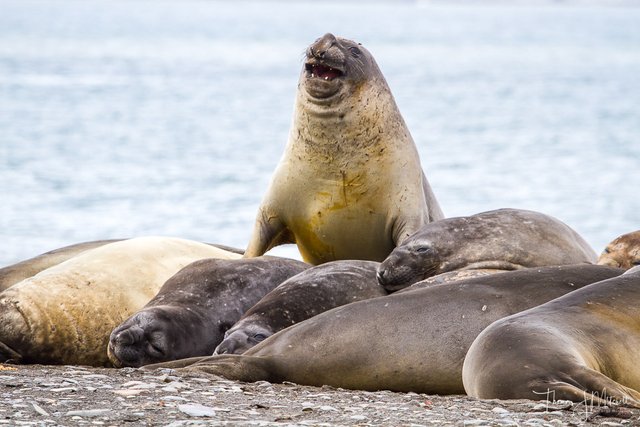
[[132, 118]]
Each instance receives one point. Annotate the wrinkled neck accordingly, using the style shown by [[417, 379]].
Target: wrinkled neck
[[355, 119]]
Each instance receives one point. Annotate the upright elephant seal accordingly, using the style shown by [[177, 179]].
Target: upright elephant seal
[[305, 295], [64, 314], [12, 274], [581, 347], [503, 239], [350, 184], [410, 341], [623, 252], [195, 307]]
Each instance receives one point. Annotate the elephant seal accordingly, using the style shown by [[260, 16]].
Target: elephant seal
[[580, 347], [308, 294], [12, 274], [350, 184], [623, 252], [193, 309], [64, 314], [411, 341], [503, 239]]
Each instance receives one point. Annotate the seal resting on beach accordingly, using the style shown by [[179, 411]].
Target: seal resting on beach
[[194, 308], [503, 239], [305, 295], [623, 252], [410, 341], [64, 314], [580, 347], [350, 184], [12, 274]]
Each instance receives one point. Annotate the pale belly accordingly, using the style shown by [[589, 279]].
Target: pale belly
[[335, 233]]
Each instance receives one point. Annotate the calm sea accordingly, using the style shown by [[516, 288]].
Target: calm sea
[[131, 118]]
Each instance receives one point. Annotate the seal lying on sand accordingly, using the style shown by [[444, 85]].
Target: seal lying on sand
[[503, 239], [12, 274], [350, 184], [410, 341], [582, 346], [64, 314], [193, 309], [308, 294], [623, 252]]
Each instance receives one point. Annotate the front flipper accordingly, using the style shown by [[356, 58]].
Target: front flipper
[[269, 231]]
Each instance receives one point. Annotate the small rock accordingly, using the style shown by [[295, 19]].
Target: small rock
[[196, 410], [88, 413], [39, 409]]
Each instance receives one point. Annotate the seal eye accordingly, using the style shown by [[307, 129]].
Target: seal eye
[[422, 249], [259, 337], [355, 51]]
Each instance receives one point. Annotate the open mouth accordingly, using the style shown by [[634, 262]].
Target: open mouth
[[323, 71]]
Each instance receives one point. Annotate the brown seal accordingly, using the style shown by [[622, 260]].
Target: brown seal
[[409, 341], [350, 184], [581, 347], [12, 274], [305, 295], [623, 252], [503, 239], [64, 314], [195, 307]]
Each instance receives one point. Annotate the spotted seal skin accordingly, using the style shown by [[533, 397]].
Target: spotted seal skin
[[500, 240], [411, 341], [12, 274], [192, 311], [580, 347], [64, 314], [623, 252], [350, 184], [305, 295]]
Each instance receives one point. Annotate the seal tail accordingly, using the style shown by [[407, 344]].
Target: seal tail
[[592, 388]]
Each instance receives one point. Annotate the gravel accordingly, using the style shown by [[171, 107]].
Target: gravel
[[76, 395]]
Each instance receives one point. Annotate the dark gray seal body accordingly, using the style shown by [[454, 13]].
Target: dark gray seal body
[[503, 239], [305, 295], [194, 308], [350, 184], [582, 347], [623, 252], [12, 274], [410, 341]]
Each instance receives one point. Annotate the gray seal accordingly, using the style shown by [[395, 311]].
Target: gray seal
[[580, 347], [503, 239], [350, 184], [411, 341], [623, 252], [195, 307], [305, 295]]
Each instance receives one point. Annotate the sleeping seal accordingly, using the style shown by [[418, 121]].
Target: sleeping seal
[[503, 239], [581, 347], [305, 295], [193, 309]]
